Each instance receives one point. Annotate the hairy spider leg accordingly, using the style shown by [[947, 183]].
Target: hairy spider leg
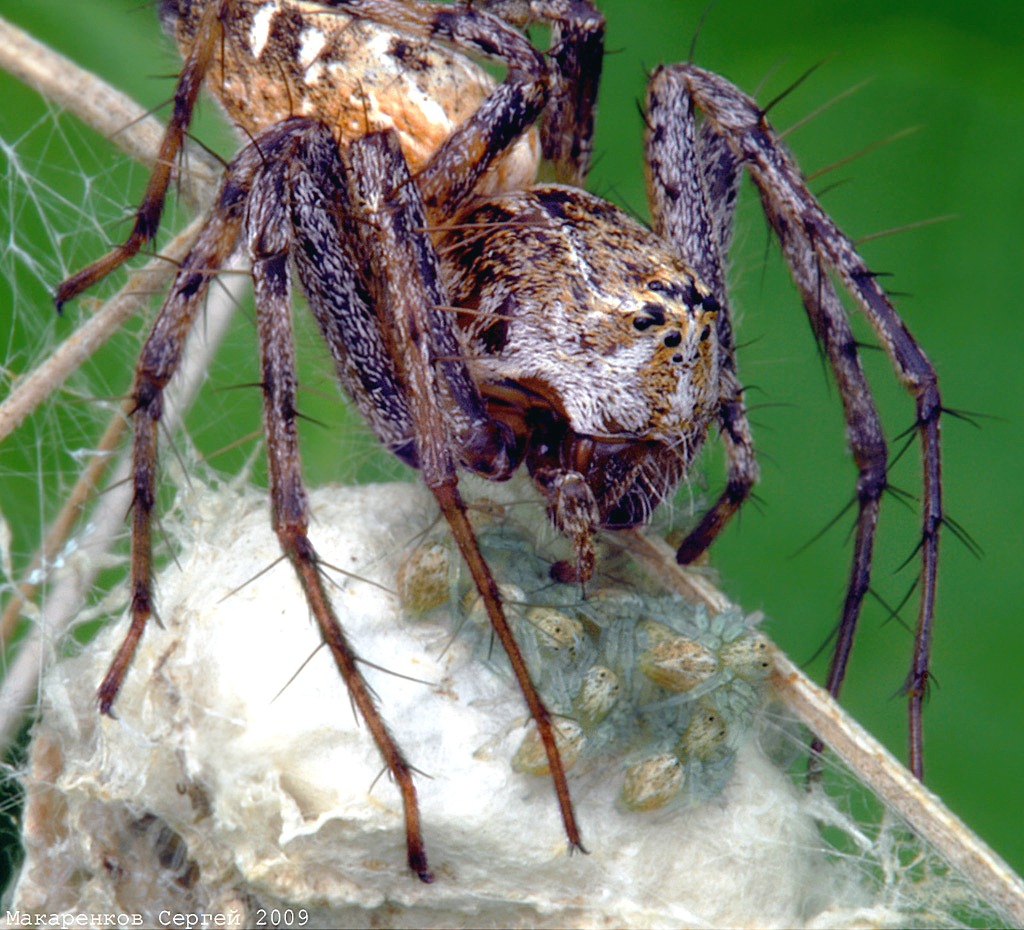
[[813, 246], [576, 55], [269, 236], [397, 358], [147, 217], [158, 361], [411, 290], [405, 350]]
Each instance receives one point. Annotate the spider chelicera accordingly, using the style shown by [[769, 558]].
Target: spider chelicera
[[481, 321]]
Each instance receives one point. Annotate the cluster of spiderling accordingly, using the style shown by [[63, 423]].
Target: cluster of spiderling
[[648, 678]]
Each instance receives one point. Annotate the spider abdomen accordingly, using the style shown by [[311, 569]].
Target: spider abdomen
[[285, 58]]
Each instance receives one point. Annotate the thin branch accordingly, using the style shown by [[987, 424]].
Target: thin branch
[[85, 488]]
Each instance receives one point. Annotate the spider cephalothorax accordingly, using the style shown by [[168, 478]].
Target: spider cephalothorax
[[595, 342], [481, 322]]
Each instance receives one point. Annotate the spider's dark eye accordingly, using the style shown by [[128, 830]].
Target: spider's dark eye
[[673, 339], [659, 287], [653, 315], [704, 333]]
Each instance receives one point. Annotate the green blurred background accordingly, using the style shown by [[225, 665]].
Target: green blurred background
[[952, 71]]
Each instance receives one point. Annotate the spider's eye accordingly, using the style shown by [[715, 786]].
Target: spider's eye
[[709, 304], [659, 287], [704, 333], [673, 339], [653, 315]]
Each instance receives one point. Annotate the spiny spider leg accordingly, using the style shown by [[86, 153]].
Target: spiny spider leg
[[576, 55], [269, 236], [147, 217], [411, 288], [814, 246], [389, 220], [720, 171], [157, 363]]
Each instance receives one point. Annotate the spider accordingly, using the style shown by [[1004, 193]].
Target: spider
[[482, 321]]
